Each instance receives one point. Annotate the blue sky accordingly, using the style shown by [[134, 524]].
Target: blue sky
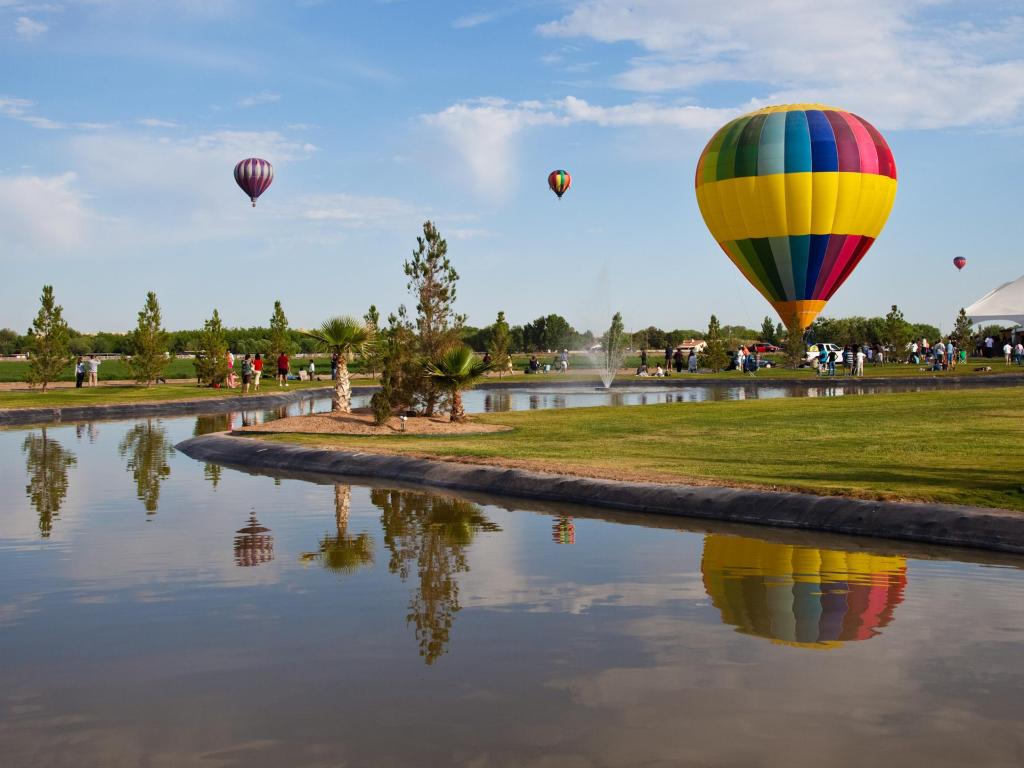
[[121, 120]]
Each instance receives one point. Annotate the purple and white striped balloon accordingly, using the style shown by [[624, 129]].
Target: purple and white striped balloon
[[254, 175]]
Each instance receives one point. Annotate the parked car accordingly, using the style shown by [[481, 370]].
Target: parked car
[[815, 349], [764, 346]]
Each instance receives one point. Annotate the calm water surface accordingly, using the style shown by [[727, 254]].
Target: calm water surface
[[156, 611]]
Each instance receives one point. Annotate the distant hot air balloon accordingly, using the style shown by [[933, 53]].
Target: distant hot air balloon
[[559, 182], [959, 262], [254, 175], [795, 195]]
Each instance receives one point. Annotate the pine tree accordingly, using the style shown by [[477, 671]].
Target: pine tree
[[895, 333], [768, 331], [614, 340], [211, 358], [962, 329], [793, 347], [148, 343], [501, 337], [280, 337], [432, 281], [714, 355], [373, 357], [50, 339]]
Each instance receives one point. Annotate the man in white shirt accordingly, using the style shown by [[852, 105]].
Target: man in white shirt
[[1007, 349], [858, 362], [92, 367], [988, 346]]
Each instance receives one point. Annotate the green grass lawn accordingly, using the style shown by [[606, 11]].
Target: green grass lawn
[[963, 447], [109, 395]]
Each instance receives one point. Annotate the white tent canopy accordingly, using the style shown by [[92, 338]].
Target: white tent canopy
[[1004, 303]]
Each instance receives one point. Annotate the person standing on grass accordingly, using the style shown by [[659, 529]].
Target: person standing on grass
[[311, 372], [668, 355], [848, 359], [858, 362], [989, 343], [509, 367], [92, 368], [677, 360], [282, 370], [246, 374], [79, 373], [563, 361], [950, 356], [691, 361], [334, 366], [643, 359], [1007, 349], [257, 372], [1018, 353], [832, 355]]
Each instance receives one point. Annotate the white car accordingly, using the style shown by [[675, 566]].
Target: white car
[[814, 351]]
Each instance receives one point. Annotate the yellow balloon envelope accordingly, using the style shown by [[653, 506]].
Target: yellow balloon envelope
[[795, 195]]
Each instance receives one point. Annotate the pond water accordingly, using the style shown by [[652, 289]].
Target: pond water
[[158, 611]]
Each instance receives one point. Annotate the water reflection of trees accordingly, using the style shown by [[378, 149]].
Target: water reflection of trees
[[147, 449], [46, 462], [341, 552], [431, 534], [211, 422]]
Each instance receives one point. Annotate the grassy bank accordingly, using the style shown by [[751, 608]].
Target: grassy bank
[[960, 447], [109, 395]]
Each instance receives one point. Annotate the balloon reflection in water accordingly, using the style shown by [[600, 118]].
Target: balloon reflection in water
[[563, 531], [801, 596], [253, 545]]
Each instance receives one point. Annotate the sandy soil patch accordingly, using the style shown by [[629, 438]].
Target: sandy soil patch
[[360, 422]]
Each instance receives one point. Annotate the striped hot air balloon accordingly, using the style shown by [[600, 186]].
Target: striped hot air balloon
[[795, 195], [254, 175], [801, 596], [559, 182]]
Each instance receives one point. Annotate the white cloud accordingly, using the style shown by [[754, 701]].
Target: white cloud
[[483, 132], [43, 214], [473, 20], [155, 122], [265, 97], [896, 61], [29, 29], [352, 211]]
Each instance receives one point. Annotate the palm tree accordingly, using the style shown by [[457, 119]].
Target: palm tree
[[456, 370], [347, 337]]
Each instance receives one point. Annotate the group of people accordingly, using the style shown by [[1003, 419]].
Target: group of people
[[674, 359], [941, 356], [560, 364], [86, 371], [988, 347]]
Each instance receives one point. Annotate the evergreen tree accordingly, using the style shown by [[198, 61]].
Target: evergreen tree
[[714, 355], [962, 330], [280, 338], [896, 333], [794, 349], [50, 352], [373, 356], [768, 331], [400, 369], [211, 358], [614, 341], [148, 343], [432, 281], [501, 337]]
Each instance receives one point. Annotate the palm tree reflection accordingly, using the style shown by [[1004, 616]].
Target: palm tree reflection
[[148, 450], [341, 552], [47, 464], [432, 534]]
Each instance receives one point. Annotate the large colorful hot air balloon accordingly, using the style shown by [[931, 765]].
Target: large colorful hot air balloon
[[959, 262], [801, 596], [795, 195], [559, 182], [254, 175]]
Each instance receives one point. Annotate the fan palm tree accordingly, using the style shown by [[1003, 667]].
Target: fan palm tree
[[457, 369], [347, 337]]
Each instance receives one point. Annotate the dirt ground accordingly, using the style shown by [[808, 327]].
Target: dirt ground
[[360, 422]]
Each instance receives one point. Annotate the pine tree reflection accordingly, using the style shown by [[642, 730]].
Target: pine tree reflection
[[433, 533], [343, 553], [148, 450], [47, 465], [253, 545], [210, 423]]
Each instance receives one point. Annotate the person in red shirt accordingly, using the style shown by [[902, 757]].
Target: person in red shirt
[[257, 371], [282, 370]]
